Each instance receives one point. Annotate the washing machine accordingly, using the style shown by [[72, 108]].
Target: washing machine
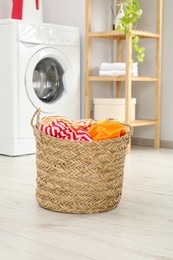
[[39, 68]]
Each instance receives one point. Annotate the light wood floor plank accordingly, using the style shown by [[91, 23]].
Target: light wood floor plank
[[140, 228]]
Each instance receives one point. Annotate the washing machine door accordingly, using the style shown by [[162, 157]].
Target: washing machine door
[[44, 79]]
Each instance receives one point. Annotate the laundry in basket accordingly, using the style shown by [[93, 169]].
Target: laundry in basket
[[78, 176]]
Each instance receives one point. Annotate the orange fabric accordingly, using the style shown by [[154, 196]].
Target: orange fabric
[[106, 129]]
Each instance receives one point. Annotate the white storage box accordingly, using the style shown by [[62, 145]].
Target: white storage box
[[112, 108]]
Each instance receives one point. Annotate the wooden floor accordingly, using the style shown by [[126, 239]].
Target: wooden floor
[[140, 228]]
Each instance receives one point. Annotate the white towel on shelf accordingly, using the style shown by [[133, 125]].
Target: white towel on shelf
[[117, 66], [115, 73], [112, 72]]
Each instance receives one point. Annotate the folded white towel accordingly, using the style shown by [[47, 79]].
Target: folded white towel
[[112, 72], [115, 73], [117, 66]]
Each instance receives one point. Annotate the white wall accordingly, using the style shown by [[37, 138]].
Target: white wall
[[145, 91], [167, 74], [5, 8], [73, 13]]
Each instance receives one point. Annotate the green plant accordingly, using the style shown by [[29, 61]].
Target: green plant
[[128, 22]]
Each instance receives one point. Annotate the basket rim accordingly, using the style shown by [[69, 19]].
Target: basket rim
[[35, 127]]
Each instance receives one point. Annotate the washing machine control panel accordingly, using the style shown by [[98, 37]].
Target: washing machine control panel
[[44, 34]]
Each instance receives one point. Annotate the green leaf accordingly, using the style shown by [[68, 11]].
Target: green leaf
[[135, 39], [132, 13]]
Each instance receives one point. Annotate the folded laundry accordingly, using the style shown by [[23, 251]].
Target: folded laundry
[[115, 73], [117, 66], [112, 73], [106, 129]]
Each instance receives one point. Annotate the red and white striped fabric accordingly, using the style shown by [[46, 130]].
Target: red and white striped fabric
[[75, 124], [65, 129]]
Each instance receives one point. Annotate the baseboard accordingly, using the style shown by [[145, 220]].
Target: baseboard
[[150, 143]]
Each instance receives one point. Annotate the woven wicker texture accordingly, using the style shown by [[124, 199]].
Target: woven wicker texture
[[78, 176]]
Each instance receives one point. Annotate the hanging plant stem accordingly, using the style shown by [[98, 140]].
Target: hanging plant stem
[[128, 22]]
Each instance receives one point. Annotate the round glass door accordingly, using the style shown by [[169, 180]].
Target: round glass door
[[47, 80]]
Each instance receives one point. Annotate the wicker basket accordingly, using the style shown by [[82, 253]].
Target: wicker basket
[[78, 176]]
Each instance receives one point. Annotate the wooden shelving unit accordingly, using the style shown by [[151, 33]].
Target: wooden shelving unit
[[128, 79]]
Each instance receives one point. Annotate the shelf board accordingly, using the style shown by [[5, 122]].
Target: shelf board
[[118, 35], [120, 78], [143, 34], [143, 122]]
